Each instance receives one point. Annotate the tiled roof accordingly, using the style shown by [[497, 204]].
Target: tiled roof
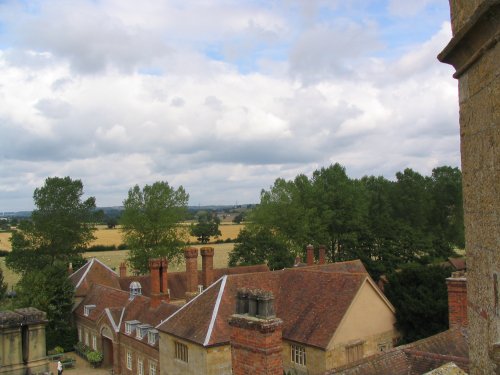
[[303, 300], [458, 264], [177, 280], [94, 271], [102, 297], [415, 358]]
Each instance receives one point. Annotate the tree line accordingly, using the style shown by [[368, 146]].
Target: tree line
[[384, 223]]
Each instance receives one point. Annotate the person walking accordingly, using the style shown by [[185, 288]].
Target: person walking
[[59, 368]]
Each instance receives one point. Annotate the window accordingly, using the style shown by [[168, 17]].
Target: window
[[181, 351], [87, 309], [354, 352], [140, 366], [87, 338], [298, 354], [130, 326], [152, 368], [383, 346], [152, 336], [94, 342], [80, 338], [200, 288], [129, 360]]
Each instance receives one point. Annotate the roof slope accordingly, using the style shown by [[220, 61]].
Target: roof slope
[[94, 271], [311, 301]]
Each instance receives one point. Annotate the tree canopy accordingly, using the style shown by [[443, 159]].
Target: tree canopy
[[384, 223], [60, 227], [151, 223], [206, 227]]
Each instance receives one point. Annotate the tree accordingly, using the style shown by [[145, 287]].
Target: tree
[[257, 245], [3, 285], [50, 290], [151, 223], [239, 218], [207, 226], [419, 295], [111, 222], [60, 227]]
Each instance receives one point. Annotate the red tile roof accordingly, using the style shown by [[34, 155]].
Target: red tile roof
[[415, 358], [94, 271], [311, 301]]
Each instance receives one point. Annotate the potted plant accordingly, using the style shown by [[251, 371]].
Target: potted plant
[[95, 358]]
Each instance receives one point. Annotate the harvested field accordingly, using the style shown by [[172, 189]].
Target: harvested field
[[4, 241], [114, 258]]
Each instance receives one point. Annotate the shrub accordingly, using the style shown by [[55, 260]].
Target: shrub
[[101, 248], [94, 356], [122, 246], [58, 350]]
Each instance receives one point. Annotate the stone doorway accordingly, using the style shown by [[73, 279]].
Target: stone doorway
[[107, 351]]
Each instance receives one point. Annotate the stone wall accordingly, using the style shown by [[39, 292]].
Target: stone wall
[[475, 54]]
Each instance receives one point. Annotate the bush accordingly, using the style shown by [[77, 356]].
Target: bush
[[101, 248], [122, 246], [94, 357], [4, 253], [58, 350]]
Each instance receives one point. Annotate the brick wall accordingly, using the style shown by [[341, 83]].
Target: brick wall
[[457, 301]]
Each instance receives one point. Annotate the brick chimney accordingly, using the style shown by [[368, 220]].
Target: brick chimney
[[159, 292], [123, 269], [256, 335], [310, 255], [191, 256], [457, 299], [207, 266], [322, 254]]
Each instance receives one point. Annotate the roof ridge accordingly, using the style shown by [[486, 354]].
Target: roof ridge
[[215, 310], [85, 273]]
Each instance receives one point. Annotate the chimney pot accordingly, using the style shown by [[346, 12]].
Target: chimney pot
[[207, 266], [123, 269], [457, 299], [310, 255], [322, 254], [191, 257]]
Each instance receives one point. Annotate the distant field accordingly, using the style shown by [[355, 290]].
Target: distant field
[[114, 258], [105, 236], [4, 241]]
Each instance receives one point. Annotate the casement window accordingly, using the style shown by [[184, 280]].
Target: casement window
[[94, 342], [181, 352], [140, 366], [80, 338], [354, 352], [141, 330], [298, 354], [87, 338], [152, 368], [130, 326], [129, 360]]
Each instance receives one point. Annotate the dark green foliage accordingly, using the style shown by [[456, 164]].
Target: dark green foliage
[[50, 290], [150, 222], [3, 285], [4, 253], [239, 218], [111, 222], [95, 248], [60, 226], [259, 245], [419, 294], [384, 223], [206, 227]]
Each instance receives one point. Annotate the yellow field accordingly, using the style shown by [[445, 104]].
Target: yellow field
[[114, 258], [105, 236], [4, 241]]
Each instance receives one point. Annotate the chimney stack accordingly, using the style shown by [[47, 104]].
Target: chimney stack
[[457, 299], [159, 292], [322, 254], [256, 335], [207, 266], [310, 255], [191, 256], [123, 269]]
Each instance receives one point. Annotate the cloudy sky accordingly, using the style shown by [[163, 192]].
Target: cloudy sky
[[220, 96]]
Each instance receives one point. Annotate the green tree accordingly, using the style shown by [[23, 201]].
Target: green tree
[[3, 285], [111, 222], [61, 225], [239, 218], [257, 245], [50, 290], [419, 295], [151, 223], [206, 227]]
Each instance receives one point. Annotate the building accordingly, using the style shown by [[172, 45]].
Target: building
[[332, 314], [22, 342], [474, 52]]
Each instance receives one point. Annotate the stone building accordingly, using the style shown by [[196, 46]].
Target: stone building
[[475, 54], [22, 342]]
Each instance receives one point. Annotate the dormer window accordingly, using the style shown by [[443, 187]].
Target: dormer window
[[87, 309], [141, 330], [152, 336], [200, 288], [135, 289], [130, 326]]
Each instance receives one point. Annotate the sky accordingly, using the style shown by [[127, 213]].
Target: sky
[[220, 96]]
